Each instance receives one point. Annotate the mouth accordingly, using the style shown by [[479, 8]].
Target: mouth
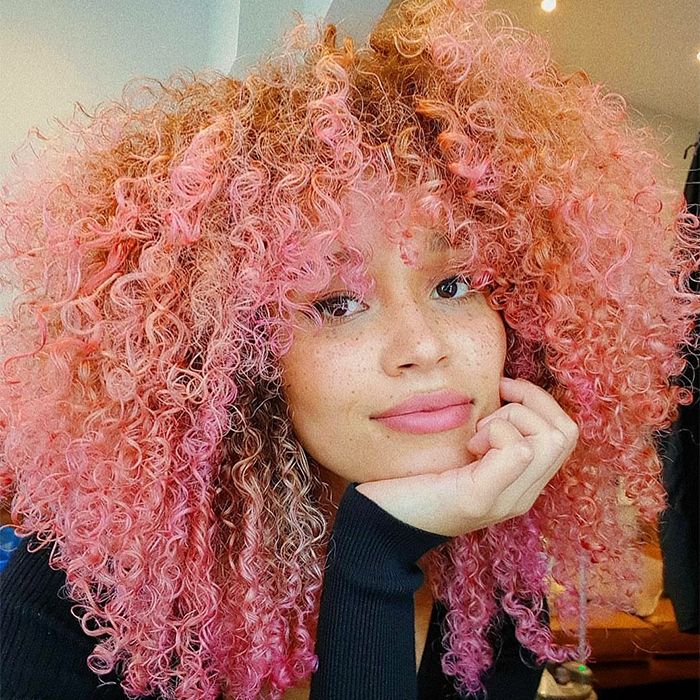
[[428, 413]]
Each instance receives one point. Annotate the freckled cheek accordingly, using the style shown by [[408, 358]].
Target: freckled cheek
[[492, 360], [324, 381], [484, 333], [342, 376], [494, 340], [479, 350]]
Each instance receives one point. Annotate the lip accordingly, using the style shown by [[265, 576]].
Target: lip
[[428, 413]]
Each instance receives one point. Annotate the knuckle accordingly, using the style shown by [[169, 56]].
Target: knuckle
[[526, 508], [518, 508], [529, 501], [573, 430], [477, 509], [524, 451], [560, 439], [569, 433]]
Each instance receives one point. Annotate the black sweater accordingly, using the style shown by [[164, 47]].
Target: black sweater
[[365, 640]]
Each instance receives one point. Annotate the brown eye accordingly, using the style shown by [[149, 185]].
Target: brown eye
[[337, 307], [452, 288]]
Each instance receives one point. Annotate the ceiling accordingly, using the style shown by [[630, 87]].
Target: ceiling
[[643, 49]]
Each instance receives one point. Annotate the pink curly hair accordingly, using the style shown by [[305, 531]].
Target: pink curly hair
[[155, 245]]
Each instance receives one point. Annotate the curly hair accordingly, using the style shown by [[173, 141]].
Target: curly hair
[[152, 248]]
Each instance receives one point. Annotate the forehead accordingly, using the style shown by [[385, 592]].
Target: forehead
[[417, 245]]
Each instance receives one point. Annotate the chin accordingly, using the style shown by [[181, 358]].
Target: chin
[[436, 459]]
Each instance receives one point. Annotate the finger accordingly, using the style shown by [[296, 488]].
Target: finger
[[538, 400], [498, 433], [552, 449], [528, 498], [540, 483], [501, 466], [547, 440], [523, 418]]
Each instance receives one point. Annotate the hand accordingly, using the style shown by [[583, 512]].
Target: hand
[[520, 447]]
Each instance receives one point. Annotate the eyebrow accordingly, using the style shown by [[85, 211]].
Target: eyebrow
[[439, 244]]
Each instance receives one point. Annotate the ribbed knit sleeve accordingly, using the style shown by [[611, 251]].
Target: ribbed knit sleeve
[[43, 650], [366, 626]]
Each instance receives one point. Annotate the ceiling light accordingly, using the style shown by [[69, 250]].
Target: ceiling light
[[548, 5]]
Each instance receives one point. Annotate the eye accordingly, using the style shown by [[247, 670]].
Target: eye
[[454, 287], [338, 307]]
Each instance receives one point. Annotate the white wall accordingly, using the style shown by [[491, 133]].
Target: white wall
[[56, 52], [224, 17]]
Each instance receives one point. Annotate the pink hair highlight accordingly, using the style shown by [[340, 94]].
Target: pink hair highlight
[[157, 250]]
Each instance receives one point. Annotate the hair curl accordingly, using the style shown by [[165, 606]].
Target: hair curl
[[152, 248]]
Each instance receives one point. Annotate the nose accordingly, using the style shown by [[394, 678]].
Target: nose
[[414, 339]]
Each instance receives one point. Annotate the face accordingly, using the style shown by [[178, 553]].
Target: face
[[392, 384]]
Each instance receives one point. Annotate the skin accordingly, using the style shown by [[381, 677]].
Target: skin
[[419, 331], [404, 339]]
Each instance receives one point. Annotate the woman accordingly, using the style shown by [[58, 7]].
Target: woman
[[252, 398]]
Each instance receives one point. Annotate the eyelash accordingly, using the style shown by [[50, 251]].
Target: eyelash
[[452, 280], [328, 301]]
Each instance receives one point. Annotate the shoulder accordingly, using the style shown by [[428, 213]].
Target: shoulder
[[32, 593], [43, 649]]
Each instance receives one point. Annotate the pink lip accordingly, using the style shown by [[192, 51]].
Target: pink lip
[[428, 413]]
